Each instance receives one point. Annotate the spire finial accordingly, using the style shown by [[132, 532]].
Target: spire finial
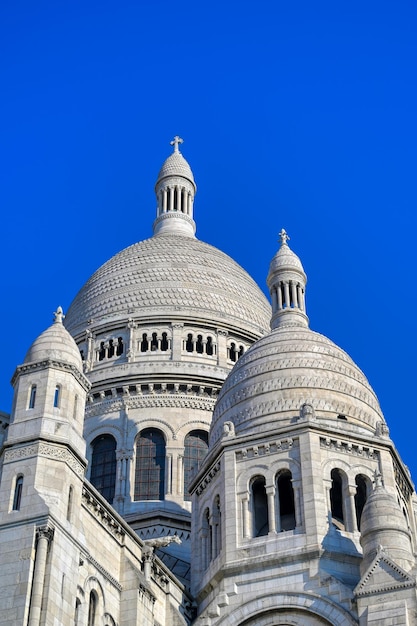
[[283, 237], [175, 143], [58, 315]]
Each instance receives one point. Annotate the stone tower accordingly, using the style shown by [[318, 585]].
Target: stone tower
[[296, 439]]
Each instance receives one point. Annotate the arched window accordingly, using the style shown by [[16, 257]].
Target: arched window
[[164, 342], [259, 507], [57, 396], [199, 347], [144, 343], [232, 352], [17, 497], [119, 347], [360, 496], [336, 499], [189, 344], [154, 342], [103, 466], [77, 612], [92, 609], [217, 527], [69, 505], [209, 346], [150, 465], [207, 539], [195, 449], [110, 351], [32, 397], [286, 501]]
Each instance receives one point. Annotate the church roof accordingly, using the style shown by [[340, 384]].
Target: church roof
[[285, 369], [168, 276], [55, 343]]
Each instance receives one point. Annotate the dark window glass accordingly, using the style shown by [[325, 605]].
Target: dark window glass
[[286, 501], [150, 466], [32, 397], [360, 497], [195, 449], [336, 499], [103, 466], [92, 609], [17, 498], [57, 396], [260, 508]]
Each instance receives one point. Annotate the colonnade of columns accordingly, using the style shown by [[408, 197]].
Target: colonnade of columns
[[175, 198], [288, 294]]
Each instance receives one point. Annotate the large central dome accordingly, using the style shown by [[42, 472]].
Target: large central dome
[[172, 276]]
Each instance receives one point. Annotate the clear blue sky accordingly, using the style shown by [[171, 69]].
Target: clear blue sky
[[299, 115]]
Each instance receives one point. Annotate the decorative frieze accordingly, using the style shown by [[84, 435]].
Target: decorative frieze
[[208, 478], [347, 447], [102, 514], [263, 449], [48, 450]]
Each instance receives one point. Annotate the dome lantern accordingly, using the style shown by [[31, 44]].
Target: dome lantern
[[175, 190], [286, 282]]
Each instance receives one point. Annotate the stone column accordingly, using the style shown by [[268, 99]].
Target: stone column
[[246, 529], [131, 348], [297, 503], [44, 536], [270, 494], [287, 294], [352, 525], [177, 330], [222, 347]]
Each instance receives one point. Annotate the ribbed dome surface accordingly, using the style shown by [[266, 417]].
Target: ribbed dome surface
[[285, 258], [285, 369], [175, 165], [55, 343], [170, 275]]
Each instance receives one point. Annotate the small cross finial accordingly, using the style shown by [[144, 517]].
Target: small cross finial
[[59, 315], [283, 237], [175, 142]]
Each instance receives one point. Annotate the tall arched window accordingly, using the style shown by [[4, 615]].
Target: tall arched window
[[259, 507], [92, 609], [195, 449], [217, 527], [17, 496], [360, 496], [336, 499], [286, 501], [103, 466], [32, 397], [57, 396], [150, 465], [206, 539]]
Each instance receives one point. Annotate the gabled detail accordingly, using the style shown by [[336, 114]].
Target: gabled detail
[[383, 575]]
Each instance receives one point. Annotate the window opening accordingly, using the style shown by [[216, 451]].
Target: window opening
[[360, 497], [69, 506], [164, 342], [102, 351], [92, 609], [336, 499], [119, 347], [195, 449], [144, 343], [232, 352], [110, 352], [209, 346], [57, 396], [17, 498], [286, 501], [260, 508], [103, 466], [150, 465], [241, 351], [189, 346], [32, 397], [154, 342], [199, 345]]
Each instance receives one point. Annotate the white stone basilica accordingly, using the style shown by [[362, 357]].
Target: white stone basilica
[[180, 453]]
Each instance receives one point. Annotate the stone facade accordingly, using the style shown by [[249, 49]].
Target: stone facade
[[169, 460]]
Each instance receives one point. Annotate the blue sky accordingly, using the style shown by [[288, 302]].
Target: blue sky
[[299, 115]]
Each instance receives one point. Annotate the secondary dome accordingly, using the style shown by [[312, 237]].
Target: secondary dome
[[291, 366], [55, 343], [285, 369]]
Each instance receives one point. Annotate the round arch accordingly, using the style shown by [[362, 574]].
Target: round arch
[[288, 609]]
